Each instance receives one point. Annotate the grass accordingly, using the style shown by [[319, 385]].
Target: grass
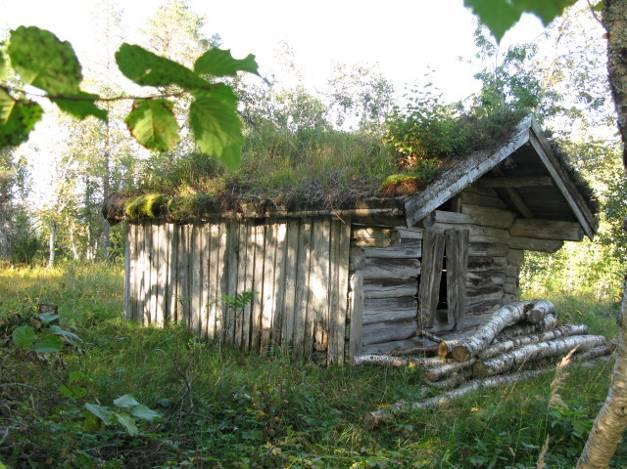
[[225, 408]]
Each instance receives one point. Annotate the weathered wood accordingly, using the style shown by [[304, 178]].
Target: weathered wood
[[394, 252], [388, 331], [231, 264], [488, 249], [390, 360], [540, 309], [447, 370], [290, 278], [173, 236], [474, 198], [196, 256], [209, 267], [412, 345], [515, 257], [488, 216], [374, 237], [563, 181], [521, 356], [212, 236], [456, 271], [162, 275], [431, 273], [249, 285], [128, 253], [397, 314], [549, 322], [546, 229], [460, 175], [303, 321], [409, 234], [243, 268], [256, 312], [449, 218], [390, 289], [510, 344], [339, 313], [534, 244], [516, 181], [396, 269], [355, 314], [153, 255], [221, 282], [268, 286], [488, 277], [182, 278], [319, 284], [471, 346], [280, 279], [378, 417]]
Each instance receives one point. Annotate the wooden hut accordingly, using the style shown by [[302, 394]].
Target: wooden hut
[[376, 277]]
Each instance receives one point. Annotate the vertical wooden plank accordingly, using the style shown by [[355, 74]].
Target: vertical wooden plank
[[340, 268], [154, 274], [162, 268], [268, 286], [242, 267], [173, 235], [280, 279], [220, 280], [206, 328], [196, 256], [231, 264], [356, 307], [256, 312], [212, 274], [319, 286], [430, 276], [128, 313], [141, 272], [289, 279], [333, 298], [249, 285], [456, 269], [134, 273], [151, 280], [303, 322], [182, 276]]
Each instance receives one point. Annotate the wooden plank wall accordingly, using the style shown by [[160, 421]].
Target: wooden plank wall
[[297, 271]]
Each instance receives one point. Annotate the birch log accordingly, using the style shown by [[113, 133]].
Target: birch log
[[377, 417], [447, 370], [469, 347], [532, 352], [541, 308], [515, 342], [389, 360], [549, 322]]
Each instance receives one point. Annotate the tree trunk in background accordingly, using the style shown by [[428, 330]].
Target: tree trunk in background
[[52, 241], [106, 189], [610, 423]]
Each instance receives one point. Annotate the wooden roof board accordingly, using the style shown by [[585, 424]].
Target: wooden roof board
[[531, 155]]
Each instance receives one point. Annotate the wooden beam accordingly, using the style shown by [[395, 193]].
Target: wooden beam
[[504, 182], [534, 244], [459, 176], [515, 197], [488, 216], [563, 181], [547, 229]]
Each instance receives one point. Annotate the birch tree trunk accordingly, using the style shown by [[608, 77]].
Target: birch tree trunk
[[52, 242], [610, 424]]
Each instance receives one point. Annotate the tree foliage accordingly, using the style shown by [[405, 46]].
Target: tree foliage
[[45, 62]]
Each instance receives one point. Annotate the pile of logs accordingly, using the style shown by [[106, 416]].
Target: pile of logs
[[520, 341]]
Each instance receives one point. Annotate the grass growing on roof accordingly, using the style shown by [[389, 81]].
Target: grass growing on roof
[[222, 407]]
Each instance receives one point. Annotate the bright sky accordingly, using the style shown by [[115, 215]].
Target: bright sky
[[403, 38]]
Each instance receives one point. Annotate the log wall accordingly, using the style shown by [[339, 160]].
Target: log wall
[[297, 271], [385, 265]]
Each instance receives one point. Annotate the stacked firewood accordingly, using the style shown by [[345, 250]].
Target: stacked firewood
[[521, 340]]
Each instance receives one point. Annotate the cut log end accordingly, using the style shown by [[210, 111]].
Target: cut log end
[[461, 353]]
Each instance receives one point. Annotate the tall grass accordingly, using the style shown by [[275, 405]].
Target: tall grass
[[226, 408]]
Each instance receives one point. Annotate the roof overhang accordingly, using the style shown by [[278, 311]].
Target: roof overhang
[[469, 170]]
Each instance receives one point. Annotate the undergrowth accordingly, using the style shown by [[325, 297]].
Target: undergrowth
[[225, 408]]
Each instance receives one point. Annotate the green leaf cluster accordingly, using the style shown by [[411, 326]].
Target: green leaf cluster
[[127, 408], [500, 15], [43, 335], [42, 60]]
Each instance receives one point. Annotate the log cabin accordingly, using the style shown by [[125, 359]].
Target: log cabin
[[380, 276]]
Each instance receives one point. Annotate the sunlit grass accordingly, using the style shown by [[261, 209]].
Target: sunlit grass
[[223, 406]]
